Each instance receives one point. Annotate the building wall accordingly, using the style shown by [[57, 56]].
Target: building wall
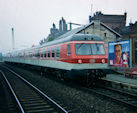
[[132, 33], [134, 50], [100, 30], [116, 22]]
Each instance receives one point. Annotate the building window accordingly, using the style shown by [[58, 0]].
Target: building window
[[105, 34], [57, 52], [68, 50]]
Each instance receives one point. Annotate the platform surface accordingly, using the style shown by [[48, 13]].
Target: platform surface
[[121, 79]]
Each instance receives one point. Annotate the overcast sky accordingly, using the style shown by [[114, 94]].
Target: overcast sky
[[32, 19]]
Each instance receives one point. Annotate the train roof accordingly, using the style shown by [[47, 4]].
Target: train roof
[[75, 37]]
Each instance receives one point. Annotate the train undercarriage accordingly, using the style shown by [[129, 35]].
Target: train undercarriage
[[84, 76]]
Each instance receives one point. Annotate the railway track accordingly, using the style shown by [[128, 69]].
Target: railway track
[[30, 99], [116, 95]]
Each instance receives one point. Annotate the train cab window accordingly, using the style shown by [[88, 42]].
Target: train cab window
[[45, 55], [89, 49], [48, 52], [98, 49], [53, 52], [57, 52], [83, 49], [68, 50]]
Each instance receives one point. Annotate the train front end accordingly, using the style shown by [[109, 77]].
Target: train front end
[[89, 59]]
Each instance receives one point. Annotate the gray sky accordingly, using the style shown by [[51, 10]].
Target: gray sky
[[32, 19]]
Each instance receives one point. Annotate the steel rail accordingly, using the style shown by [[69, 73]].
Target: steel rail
[[119, 91], [51, 100], [10, 87], [112, 97]]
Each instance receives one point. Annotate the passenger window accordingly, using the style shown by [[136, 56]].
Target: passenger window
[[30, 54], [41, 53], [45, 53], [35, 54], [53, 52], [57, 52], [48, 52], [68, 50]]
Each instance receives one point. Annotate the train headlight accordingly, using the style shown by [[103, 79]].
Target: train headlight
[[80, 61], [103, 60]]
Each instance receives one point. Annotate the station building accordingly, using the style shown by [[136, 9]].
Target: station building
[[116, 22], [98, 28], [130, 32]]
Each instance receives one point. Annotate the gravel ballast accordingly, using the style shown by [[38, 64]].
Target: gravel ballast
[[71, 96]]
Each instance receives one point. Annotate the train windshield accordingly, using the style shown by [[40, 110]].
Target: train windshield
[[89, 49]]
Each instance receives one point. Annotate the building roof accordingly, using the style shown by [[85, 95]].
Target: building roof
[[103, 17], [77, 30], [116, 33], [126, 30]]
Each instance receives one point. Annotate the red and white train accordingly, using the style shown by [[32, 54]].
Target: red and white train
[[75, 56]]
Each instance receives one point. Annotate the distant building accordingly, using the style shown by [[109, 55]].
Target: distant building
[[116, 22], [60, 26], [64, 25], [99, 28], [131, 32], [54, 32]]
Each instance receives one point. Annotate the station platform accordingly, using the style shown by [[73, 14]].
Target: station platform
[[122, 82]]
